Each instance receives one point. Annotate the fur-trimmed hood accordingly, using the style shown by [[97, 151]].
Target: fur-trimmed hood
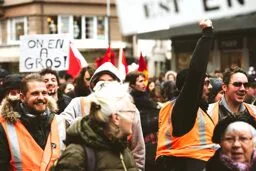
[[9, 105]]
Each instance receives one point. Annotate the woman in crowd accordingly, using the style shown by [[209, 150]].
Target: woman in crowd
[[236, 137], [82, 81], [105, 131]]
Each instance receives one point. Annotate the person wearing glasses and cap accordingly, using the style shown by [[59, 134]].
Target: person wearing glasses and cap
[[235, 86]]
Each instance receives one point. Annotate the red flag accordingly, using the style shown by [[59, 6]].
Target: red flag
[[143, 67], [109, 56], [76, 61], [122, 64]]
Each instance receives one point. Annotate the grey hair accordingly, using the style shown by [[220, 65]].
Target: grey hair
[[241, 126]]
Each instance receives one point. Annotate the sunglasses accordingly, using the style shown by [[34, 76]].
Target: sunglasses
[[239, 84]]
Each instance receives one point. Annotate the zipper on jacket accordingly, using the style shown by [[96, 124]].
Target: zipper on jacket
[[122, 161]]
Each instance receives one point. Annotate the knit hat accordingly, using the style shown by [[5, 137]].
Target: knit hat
[[106, 68], [216, 84], [10, 82]]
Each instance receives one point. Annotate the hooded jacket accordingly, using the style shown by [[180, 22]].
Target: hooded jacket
[[75, 110], [12, 110], [107, 68], [110, 154]]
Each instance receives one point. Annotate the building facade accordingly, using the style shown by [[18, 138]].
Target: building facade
[[85, 20]]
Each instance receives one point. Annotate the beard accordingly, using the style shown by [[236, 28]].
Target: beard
[[32, 110]]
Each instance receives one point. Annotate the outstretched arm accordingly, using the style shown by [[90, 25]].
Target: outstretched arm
[[187, 104]]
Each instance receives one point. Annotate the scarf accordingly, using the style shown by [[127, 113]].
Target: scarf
[[238, 166]]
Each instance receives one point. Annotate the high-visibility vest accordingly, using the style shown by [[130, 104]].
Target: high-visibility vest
[[26, 154], [195, 144], [213, 111]]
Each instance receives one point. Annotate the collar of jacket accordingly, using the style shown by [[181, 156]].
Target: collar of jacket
[[11, 112]]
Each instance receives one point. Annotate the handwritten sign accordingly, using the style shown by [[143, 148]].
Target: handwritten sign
[[139, 16], [44, 51]]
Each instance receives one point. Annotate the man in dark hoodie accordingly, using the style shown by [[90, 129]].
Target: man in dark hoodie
[[31, 135], [185, 129]]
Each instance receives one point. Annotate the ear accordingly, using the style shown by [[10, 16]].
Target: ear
[[22, 97], [115, 118], [224, 87]]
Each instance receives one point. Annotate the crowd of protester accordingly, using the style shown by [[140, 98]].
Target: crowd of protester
[[180, 121]]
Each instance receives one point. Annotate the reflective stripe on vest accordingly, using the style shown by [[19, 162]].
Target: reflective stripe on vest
[[202, 129], [14, 146], [26, 154], [194, 144]]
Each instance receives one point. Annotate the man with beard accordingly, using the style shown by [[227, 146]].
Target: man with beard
[[30, 133], [185, 129], [235, 86], [52, 82]]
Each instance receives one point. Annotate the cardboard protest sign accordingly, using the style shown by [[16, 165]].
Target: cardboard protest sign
[[44, 51]]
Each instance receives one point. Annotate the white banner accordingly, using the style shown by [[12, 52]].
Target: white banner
[[44, 51], [139, 16]]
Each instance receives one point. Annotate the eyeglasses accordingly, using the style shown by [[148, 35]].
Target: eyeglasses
[[243, 140], [239, 84]]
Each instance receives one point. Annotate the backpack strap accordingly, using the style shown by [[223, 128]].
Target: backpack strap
[[90, 163]]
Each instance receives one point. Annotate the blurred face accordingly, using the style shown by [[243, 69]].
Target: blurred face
[[87, 78], [36, 98], [171, 77], [106, 77], [151, 86], [140, 83], [126, 117], [235, 91], [206, 89], [51, 83], [238, 145], [70, 87], [219, 95], [251, 92]]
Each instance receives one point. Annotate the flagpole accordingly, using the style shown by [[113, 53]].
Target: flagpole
[[108, 18]]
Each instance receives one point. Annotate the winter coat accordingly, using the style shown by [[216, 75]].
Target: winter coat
[[108, 153], [12, 110], [220, 162]]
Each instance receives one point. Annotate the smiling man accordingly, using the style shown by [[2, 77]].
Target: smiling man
[[30, 133], [235, 86]]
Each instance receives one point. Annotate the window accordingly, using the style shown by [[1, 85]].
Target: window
[[80, 27], [101, 27], [52, 24], [77, 27], [16, 28], [89, 27], [65, 23]]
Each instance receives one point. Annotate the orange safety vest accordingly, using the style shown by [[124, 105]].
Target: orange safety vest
[[195, 144], [26, 154], [213, 111]]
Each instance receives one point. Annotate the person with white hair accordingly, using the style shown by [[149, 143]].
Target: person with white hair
[[236, 137], [80, 106], [105, 131]]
